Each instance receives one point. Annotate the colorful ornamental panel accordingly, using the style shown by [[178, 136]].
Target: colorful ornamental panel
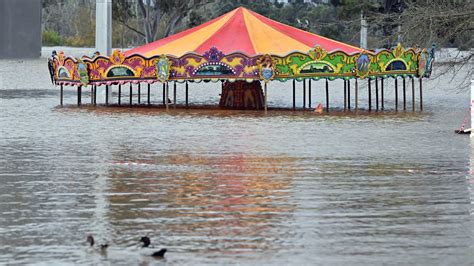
[[163, 68], [214, 65], [266, 68]]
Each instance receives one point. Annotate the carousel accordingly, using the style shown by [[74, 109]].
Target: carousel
[[245, 52]]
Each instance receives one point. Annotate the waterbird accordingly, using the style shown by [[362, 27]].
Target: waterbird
[[91, 241], [146, 244]]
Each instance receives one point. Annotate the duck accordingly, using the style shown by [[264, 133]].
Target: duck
[[91, 241], [146, 244]]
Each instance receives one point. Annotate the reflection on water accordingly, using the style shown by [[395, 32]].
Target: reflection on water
[[231, 200], [232, 187]]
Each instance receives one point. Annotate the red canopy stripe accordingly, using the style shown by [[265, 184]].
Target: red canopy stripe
[[226, 39]]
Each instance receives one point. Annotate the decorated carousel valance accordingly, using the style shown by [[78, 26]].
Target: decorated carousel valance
[[240, 45]]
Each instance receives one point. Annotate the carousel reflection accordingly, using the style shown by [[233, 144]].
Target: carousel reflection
[[198, 202]]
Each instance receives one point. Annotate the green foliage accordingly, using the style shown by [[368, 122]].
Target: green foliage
[[51, 38]]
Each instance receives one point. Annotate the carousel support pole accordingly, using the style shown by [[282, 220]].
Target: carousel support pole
[[166, 95], [404, 95], [174, 94], [377, 94], [164, 92], [356, 96], [148, 94], [92, 94], [79, 95], [381, 94], [304, 94], [61, 93], [370, 93], [266, 106], [349, 94], [421, 94], [294, 94], [327, 96], [309, 94], [413, 93], [396, 94], [187, 88], [345, 95], [95, 94], [131, 95], [139, 92], [120, 94], [106, 94]]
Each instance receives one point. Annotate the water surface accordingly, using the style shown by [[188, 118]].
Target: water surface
[[232, 187]]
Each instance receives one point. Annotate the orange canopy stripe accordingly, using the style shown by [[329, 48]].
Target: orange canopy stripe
[[241, 30]]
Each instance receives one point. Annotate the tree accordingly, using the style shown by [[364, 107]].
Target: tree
[[155, 18]]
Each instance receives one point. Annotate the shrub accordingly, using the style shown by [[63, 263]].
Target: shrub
[[51, 38]]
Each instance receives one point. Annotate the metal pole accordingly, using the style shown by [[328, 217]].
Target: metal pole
[[381, 93], [421, 94], [95, 94], [377, 94], [294, 94], [106, 94], [139, 92], [148, 94], [304, 93], [92, 94], [413, 93], [349, 94], [396, 94], [187, 94], [265, 97], [164, 89], [309, 94], [327, 95], [131, 95], [404, 95], [61, 95], [166, 95], [356, 95], [174, 95], [345, 95], [79, 95], [370, 94], [120, 94]]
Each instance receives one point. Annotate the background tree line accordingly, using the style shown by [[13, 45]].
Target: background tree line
[[418, 22]]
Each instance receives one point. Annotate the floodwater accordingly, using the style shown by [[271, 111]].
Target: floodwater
[[232, 187]]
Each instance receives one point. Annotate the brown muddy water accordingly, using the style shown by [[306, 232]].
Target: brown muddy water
[[231, 187]]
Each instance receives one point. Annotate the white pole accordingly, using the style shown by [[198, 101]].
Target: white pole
[[103, 27], [472, 105], [103, 33], [363, 31], [265, 97]]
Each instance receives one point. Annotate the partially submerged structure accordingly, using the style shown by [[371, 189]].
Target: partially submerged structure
[[241, 49]]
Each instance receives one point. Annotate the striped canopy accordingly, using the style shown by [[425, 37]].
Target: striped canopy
[[241, 30]]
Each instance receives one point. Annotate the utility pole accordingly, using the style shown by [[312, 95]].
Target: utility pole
[[103, 33], [363, 31], [103, 27]]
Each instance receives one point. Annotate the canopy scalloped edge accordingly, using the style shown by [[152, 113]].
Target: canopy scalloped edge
[[214, 65]]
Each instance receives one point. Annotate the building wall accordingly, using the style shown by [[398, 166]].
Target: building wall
[[20, 28]]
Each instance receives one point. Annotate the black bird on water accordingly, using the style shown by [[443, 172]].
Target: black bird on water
[[146, 243], [90, 240]]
